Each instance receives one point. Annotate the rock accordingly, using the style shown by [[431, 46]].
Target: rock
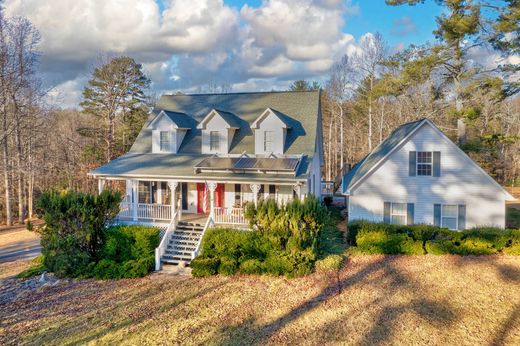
[[42, 277]]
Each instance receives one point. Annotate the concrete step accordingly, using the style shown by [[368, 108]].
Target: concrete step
[[179, 268]]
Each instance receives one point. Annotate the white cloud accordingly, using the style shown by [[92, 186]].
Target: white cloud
[[190, 42]]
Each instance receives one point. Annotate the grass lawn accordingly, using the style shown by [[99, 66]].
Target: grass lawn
[[384, 300]]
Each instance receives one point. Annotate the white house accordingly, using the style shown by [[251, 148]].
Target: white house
[[199, 158], [419, 176]]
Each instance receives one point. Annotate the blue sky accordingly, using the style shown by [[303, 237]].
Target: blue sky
[[187, 45]]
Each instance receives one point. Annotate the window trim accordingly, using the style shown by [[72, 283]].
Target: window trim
[[450, 217], [271, 140], [168, 142], [417, 163], [212, 141], [392, 213]]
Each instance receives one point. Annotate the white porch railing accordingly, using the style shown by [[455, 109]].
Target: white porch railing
[[230, 216], [209, 223], [160, 250], [145, 211], [154, 211]]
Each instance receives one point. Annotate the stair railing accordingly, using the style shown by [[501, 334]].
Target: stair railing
[[209, 223], [161, 249]]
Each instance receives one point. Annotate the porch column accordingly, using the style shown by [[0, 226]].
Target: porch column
[[173, 186], [298, 189], [212, 186], [101, 185], [135, 186], [255, 188]]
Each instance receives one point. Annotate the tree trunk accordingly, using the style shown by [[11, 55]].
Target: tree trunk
[[18, 143], [370, 115], [5, 151], [341, 146]]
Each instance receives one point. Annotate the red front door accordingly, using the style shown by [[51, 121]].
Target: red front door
[[203, 202]]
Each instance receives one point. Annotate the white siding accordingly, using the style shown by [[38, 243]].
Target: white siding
[[270, 123], [461, 182], [216, 123]]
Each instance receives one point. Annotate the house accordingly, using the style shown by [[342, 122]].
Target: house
[[199, 158], [419, 176]]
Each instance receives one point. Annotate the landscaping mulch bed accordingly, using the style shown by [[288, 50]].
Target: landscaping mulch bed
[[436, 300]]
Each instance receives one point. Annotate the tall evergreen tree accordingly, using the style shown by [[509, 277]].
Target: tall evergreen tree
[[116, 92]]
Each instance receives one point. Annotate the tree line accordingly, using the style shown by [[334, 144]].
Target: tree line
[[366, 96]]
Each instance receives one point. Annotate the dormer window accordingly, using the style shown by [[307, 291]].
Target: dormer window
[[218, 129], [214, 141], [168, 130], [165, 141], [268, 141], [270, 130]]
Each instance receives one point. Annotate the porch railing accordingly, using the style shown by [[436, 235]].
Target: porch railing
[[161, 249], [230, 216], [145, 211], [209, 223]]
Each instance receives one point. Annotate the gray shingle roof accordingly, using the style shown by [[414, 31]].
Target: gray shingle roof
[[182, 120], [299, 109], [372, 159]]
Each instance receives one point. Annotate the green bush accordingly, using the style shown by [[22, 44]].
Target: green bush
[[75, 228], [204, 266], [513, 245], [331, 263], [284, 241], [380, 238], [251, 266]]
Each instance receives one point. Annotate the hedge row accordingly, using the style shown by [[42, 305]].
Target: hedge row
[[284, 241], [230, 251], [380, 238]]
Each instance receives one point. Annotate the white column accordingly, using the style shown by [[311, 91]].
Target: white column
[[212, 186], [298, 189], [101, 185], [135, 186], [255, 188], [173, 186]]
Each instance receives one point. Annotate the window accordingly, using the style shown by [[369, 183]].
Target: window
[[214, 141], [398, 213], [238, 195], [449, 216], [147, 192], [268, 141], [165, 141], [424, 163]]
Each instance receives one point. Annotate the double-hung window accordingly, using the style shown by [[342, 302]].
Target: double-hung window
[[268, 141], [424, 163], [165, 139], [398, 213], [449, 216], [214, 140]]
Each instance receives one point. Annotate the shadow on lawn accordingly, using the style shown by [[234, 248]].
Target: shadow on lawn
[[381, 331]]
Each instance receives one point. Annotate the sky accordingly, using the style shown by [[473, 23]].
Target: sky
[[187, 45]]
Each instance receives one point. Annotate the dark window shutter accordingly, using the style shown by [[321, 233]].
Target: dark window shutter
[[386, 217], [437, 215], [409, 213], [462, 217], [436, 163], [412, 163]]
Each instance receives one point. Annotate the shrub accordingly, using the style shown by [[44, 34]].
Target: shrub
[[251, 266], [382, 242], [107, 269], [228, 266], [375, 238], [204, 266], [75, 228], [331, 263], [513, 245]]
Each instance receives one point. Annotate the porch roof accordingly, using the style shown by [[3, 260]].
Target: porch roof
[[174, 166]]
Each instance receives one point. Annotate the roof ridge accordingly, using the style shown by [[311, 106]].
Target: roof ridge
[[245, 92]]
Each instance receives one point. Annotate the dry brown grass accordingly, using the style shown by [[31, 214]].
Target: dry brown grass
[[384, 300]]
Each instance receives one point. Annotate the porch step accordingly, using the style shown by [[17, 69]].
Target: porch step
[[182, 244]]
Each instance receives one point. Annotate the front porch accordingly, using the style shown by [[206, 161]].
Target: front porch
[[158, 202]]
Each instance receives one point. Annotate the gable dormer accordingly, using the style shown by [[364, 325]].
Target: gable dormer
[[218, 129], [168, 131], [270, 132]]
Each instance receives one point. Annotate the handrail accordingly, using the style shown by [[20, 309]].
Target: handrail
[[209, 223], [161, 249], [230, 216]]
